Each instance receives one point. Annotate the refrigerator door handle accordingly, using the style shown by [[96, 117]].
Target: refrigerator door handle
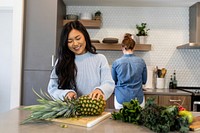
[[52, 60]]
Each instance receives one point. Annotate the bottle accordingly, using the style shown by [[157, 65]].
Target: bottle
[[174, 80], [171, 83]]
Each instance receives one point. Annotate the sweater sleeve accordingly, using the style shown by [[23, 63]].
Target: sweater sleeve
[[107, 84], [53, 87]]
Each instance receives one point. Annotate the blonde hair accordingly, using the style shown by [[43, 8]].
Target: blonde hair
[[128, 42]]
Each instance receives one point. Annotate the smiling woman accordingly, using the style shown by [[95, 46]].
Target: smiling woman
[[79, 70], [76, 42]]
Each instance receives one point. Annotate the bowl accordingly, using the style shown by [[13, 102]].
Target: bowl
[[72, 17]]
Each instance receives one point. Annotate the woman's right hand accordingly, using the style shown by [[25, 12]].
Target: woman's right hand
[[71, 95]]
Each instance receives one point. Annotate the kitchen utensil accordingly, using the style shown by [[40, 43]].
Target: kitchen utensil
[[160, 83], [163, 72], [85, 121], [159, 73]]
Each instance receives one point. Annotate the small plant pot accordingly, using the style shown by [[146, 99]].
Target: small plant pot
[[97, 17], [142, 39]]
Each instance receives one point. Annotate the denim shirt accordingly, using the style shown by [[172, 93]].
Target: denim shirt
[[129, 73]]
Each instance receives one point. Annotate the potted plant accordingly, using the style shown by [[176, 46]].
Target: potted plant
[[97, 15], [142, 32]]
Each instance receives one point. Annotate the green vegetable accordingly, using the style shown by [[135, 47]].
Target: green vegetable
[[162, 119], [157, 118], [181, 124], [129, 113]]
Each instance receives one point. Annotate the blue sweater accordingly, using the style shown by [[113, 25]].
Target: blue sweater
[[93, 72], [129, 73]]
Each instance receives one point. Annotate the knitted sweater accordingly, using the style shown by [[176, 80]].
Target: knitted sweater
[[93, 72]]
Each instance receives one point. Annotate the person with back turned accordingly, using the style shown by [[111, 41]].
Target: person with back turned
[[129, 73]]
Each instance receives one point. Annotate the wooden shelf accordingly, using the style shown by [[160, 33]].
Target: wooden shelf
[[117, 47], [90, 24]]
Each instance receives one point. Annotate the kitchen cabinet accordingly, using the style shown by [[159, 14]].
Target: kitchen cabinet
[[185, 101], [42, 28], [167, 100], [110, 102], [90, 24], [152, 96], [117, 47]]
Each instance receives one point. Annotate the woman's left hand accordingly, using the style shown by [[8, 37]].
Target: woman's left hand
[[96, 94]]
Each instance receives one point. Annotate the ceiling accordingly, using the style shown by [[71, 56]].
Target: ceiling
[[134, 3]]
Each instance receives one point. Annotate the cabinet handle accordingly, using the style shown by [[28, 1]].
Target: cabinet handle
[[52, 60], [171, 100]]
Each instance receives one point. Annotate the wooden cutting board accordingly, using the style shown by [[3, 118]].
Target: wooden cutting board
[[195, 125], [86, 121]]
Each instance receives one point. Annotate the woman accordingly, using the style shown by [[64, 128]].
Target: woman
[[79, 70], [129, 73]]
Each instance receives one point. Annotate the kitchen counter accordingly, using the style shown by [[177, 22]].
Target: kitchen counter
[[166, 92], [10, 123]]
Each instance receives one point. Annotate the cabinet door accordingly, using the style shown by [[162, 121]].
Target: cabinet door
[[152, 96], [43, 24], [185, 101], [34, 80]]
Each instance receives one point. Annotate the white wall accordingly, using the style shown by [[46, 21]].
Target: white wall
[[169, 27], [11, 27], [5, 4], [17, 37], [5, 50]]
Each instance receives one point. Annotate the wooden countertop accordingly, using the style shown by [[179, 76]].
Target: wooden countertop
[[175, 92], [10, 123]]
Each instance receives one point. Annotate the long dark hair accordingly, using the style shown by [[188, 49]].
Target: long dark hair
[[66, 68]]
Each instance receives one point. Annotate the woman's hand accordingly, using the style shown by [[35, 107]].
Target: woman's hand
[[71, 95], [96, 94]]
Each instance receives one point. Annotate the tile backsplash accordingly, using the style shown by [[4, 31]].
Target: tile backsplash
[[169, 27]]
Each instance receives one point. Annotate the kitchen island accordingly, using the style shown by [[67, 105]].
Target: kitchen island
[[10, 123]]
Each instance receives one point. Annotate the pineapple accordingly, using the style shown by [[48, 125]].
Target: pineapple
[[50, 108]]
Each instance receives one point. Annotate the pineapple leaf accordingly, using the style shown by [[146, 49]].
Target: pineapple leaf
[[50, 108], [37, 94], [49, 97]]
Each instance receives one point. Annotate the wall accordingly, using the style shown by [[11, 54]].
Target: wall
[[11, 25], [169, 27], [5, 50], [4, 4]]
